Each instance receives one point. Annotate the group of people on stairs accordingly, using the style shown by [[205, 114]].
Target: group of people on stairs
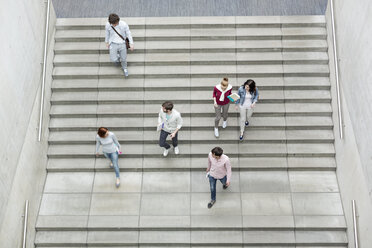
[[118, 39]]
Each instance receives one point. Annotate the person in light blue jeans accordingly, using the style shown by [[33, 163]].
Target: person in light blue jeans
[[110, 149]]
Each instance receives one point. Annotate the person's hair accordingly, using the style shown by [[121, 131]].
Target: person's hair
[[217, 151], [113, 18], [167, 105], [225, 80], [102, 132], [251, 84]]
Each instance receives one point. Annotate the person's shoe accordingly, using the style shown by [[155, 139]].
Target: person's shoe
[[211, 203], [111, 165], [176, 150], [117, 184], [216, 132], [246, 123], [241, 137], [225, 186], [126, 72], [165, 153], [224, 124]]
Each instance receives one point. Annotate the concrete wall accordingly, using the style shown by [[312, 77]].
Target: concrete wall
[[22, 157], [353, 153]]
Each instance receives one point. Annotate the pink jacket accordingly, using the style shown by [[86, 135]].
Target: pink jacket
[[217, 92]]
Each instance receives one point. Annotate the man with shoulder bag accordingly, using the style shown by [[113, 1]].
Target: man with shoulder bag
[[118, 39]]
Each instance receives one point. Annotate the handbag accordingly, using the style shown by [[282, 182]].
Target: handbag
[[126, 39]]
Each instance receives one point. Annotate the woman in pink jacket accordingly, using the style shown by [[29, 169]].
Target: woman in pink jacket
[[221, 103]]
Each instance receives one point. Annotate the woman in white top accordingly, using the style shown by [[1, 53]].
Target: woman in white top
[[248, 93], [110, 149]]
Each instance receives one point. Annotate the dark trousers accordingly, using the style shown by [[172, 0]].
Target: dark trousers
[[163, 138]]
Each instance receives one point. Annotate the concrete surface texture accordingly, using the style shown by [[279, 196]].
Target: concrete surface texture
[[353, 159], [22, 158], [152, 8], [284, 190], [353, 38]]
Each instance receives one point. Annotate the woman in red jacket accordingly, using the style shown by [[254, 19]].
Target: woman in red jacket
[[221, 103]]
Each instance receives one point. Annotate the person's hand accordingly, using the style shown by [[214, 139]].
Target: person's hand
[[97, 154], [236, 107], [107, 45], [215, 105], [207, 170], [227, 183], [173, 135], [131, 47], [253, 105]]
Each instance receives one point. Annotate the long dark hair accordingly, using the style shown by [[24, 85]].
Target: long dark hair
[[252, 85]]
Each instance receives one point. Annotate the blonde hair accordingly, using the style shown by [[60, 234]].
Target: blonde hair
[[225, 80]]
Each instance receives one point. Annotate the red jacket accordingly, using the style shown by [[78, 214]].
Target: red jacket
[[217, 94]]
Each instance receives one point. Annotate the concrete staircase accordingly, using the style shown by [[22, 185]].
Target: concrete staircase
[[284, 190]]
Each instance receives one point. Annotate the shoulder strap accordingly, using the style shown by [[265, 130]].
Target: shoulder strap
[[117, 32]]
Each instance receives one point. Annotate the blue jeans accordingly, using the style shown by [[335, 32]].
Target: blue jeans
[[212, 184], [114, 157], [119, 52], [163, 138]]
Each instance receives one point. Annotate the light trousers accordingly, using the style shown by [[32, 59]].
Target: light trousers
[[118, 52], [221, 109], [245, 113]]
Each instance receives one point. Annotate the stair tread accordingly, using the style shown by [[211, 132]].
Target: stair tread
[[240, 57], [205, 95], [113, 122], [187, 109], [193, 83], [193, 149], [185, 135], [195, 20]]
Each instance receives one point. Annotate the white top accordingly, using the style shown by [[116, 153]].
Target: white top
[[172, 123], [110, 144], [113, 37], [247, 103], [117, 39]]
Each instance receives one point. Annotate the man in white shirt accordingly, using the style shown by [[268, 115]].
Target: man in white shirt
[[169, 122], [116, 44]]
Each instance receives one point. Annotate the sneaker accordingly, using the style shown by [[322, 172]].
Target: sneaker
[[176, 150], [246, 123], [126, 72], [165, 153], [224, 124], [117, 184], [211, 203], [241, 137], [216, 132], [225, 186]]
